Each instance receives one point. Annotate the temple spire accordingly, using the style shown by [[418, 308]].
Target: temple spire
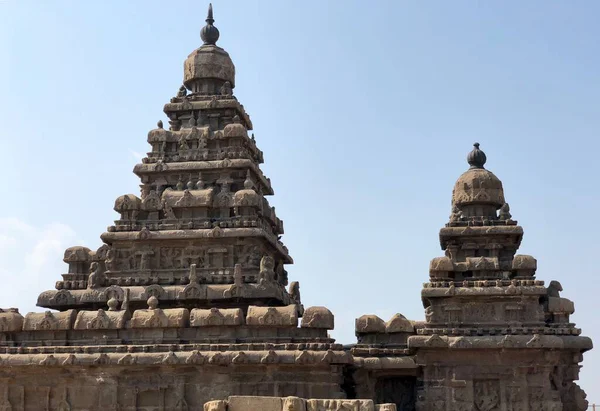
[[209, 33], [209, 18]]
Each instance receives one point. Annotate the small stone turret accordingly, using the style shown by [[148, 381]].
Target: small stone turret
[[484, 306]]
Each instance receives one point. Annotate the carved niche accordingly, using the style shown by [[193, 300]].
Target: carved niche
[[487, 395]]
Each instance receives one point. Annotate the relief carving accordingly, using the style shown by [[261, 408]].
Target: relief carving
[[515, 398], [304, 357], [195, 358], [487, 395], [270, 358], [96, 278]]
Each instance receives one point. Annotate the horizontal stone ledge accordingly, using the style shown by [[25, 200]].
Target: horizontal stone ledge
[[480, 230], [165, 347], [534, 290], [535, 341], [201, 292], [191, 234], [193, 166], [208, 358], [385, 363]]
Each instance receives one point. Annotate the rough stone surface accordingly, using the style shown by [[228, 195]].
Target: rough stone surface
[[185, 307], [257, 403]]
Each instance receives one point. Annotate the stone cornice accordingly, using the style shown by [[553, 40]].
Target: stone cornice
[[187, 167]]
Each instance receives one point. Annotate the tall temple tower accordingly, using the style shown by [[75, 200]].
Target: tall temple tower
[[186, 300], [202, 233]]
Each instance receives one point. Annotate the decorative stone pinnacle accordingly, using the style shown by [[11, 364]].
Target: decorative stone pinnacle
[[160, 124], [152, 302], [200, 182], [476, 157], [210, 19], [112, 304], [209, 33], [248, 184]]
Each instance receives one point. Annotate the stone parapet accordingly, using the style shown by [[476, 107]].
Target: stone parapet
[[216, 317], [49, 321], [181, 293], [317, 317], [273, 316], [488, 342]]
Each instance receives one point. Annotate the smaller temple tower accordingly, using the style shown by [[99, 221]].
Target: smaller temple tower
[[494, 338]]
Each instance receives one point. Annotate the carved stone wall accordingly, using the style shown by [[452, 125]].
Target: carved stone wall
[[157, 388]]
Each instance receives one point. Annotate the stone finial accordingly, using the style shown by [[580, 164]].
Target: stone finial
[[179, 186], [209, 33], [152, 303], [476, 157], [113, 303], [248, 184], [200, 182], [160, 124]]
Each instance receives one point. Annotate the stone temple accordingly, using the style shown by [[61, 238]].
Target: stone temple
[[187, 304]]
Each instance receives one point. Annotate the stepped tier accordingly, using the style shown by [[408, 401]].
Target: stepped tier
[[201, 233]]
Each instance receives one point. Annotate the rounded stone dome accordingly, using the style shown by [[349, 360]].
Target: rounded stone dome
[[235, 129], [209, 62], [207, 68], [478, 186], [477, 192], [247, 197]]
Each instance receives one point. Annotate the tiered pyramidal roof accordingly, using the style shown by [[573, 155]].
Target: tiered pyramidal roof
[[202, 233]]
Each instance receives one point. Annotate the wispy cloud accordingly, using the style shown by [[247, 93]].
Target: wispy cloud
[[138, 156], [30, 260]]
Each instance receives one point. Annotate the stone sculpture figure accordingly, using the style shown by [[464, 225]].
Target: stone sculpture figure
[[96, 277], [226, 89], [456, 214], [505, 212], [267, 269], [182, 92], [295, 292], [554, 289]]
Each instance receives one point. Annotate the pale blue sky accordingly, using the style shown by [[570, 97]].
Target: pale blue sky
[[365, 112]]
